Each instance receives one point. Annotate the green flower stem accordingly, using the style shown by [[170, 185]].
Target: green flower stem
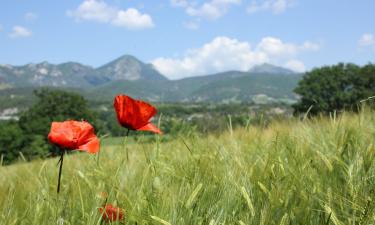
[[60, 170]]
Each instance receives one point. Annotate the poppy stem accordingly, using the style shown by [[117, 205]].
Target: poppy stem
[[126, 143], [60, 170]]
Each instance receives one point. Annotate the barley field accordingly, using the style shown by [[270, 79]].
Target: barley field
[[315, 171]]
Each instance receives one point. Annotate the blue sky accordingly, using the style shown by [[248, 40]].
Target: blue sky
[[186, 38]]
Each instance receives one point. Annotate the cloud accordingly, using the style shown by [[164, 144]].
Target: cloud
[[210, 10], [367, 40], [224, 53], [295, 65], [20, 32], [101, 12], [275, 6], [92, 10], [30, 16], [276, 47], [132, 19]]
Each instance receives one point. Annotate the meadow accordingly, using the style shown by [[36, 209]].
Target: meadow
[[311, 171]]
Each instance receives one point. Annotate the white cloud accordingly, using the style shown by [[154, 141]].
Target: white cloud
[[211, 10], [367, 40], [295, 65], [276, 47], [93, 10], [275, 6], [20, 32], [224, 53], [132, 19], [30, 16], [99, 11], [220, 54]]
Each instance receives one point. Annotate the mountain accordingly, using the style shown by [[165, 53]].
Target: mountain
[[77, 75], [45, 74], [129, 75], [267, 68], [220, 87], [129, 68], [244, 86]]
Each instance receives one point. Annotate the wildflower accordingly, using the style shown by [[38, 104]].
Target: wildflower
[[73, 135], [111, 213], [135, 114]]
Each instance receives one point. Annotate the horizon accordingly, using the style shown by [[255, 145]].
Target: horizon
[[146, 63], [189, 38]]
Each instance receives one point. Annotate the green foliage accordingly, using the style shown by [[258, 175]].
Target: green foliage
[[214, 118], [317, 172], [28, 135], [335, 88], [11, 141], [54, 105]]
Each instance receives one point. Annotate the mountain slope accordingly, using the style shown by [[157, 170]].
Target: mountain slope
[[222, 87], [267, 68], [127, 68], [73, 74], [45, 74], [245, 88]]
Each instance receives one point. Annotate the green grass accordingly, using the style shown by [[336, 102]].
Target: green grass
[[313, 172]]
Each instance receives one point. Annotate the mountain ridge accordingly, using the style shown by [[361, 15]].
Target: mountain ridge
[[127, 74], [267, 68], [74, 74]]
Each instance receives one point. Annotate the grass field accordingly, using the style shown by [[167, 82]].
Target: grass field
[[318, 171]]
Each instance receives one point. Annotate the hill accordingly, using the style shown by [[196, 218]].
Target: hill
[[292, 172]]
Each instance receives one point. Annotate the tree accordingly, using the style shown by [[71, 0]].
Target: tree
[[335, 88], [52, 105], [11, 141]]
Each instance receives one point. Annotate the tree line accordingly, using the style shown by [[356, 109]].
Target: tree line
[[335, 88]]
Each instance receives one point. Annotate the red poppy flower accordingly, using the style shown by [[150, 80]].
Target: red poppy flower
[[74, 135], [111, 213], [135, 114]]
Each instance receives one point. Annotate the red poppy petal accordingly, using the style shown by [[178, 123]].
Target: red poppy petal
[[132, 113], [62, 135], [74, 135], [119, 108], [92, 146], [84, 131], [111, 213], [145, 112], [150, 127]]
